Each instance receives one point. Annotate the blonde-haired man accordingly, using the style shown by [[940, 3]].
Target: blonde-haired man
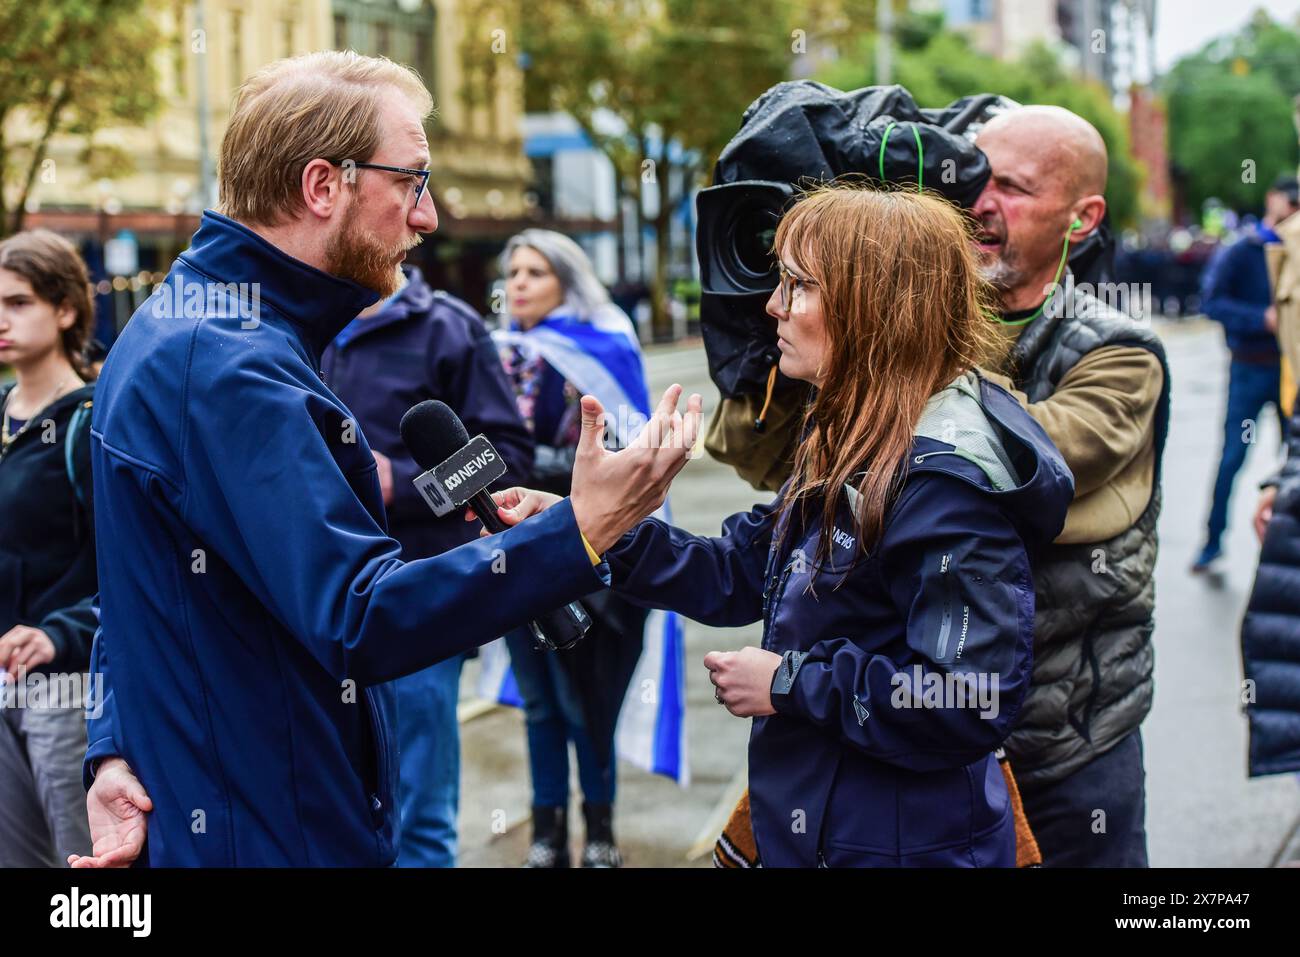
[[254, 604]]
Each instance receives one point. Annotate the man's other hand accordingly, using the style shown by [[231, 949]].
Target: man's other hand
[[385, 466], [613, 491], [117, 805]]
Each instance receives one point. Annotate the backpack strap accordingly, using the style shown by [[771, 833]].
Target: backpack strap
[[80, 416]]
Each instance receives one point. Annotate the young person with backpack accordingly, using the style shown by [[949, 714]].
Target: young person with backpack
[[47, 549]]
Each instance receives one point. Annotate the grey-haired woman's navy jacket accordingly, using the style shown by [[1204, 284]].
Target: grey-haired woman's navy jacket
[[903, 669]]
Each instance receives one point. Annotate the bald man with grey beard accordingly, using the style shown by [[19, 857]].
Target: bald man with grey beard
[[1098, 383]]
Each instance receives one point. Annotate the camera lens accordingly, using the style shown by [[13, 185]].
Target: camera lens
[[754, 232], [737, 224]]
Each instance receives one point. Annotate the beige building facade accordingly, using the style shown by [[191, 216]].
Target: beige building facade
[[480, 174]]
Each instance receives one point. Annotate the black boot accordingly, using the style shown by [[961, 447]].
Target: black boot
[[600, 850], [550, 847]]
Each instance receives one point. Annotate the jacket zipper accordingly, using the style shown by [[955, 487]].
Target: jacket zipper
[[767, 584], [770, 614], [918, 459], [381, 752]]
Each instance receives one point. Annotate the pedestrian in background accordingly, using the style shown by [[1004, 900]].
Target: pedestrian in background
[[564, 338], [47, 549], [420, 344], [1236, 293]]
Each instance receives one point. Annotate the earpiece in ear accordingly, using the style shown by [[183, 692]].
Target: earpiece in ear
[[1077, 224]]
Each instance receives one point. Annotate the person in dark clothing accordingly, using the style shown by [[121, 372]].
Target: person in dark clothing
[[566, 337], [1236, 293], [47, 550], [424, 344], [1270, 630]]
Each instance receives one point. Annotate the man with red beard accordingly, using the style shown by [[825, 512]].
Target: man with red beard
[[1098, 384], [255, 606]]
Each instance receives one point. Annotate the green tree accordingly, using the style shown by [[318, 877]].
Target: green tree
[[673, 76], [1230, 123], [938, 66], [68, 67]]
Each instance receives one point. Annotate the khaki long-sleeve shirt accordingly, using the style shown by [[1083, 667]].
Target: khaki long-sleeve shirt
[[1102, 418]]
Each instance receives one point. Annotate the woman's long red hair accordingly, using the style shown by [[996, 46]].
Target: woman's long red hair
[[905, 311]]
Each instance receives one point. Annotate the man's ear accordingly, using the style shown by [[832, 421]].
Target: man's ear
[[322, 187], [1089, 211]]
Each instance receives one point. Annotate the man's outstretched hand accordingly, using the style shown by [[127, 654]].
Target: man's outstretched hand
[[117, 805], [612, 491]]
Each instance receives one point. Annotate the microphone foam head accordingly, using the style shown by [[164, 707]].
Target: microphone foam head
[[433, 433]]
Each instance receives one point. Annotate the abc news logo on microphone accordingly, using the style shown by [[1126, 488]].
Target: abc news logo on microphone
[[451, 484]]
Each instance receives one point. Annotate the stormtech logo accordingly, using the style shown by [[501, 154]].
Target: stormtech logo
[[76, 910]]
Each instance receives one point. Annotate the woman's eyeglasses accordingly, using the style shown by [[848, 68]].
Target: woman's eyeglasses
[[420, 177], [789, 283]]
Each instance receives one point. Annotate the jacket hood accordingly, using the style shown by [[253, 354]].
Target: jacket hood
[[976, 431], [315, 302]]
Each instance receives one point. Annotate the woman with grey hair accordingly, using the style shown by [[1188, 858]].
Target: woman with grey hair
[[563, 338]]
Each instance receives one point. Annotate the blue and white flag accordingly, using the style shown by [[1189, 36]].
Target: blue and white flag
[[603, 358]]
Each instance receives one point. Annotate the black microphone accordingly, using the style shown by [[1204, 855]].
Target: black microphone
[[458, 471]]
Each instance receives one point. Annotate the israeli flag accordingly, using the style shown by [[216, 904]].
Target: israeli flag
[[603, 358]]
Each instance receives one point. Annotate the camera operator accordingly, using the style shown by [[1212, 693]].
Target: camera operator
[[1098, 383]]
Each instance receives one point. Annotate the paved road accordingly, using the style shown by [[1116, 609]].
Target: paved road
[[1202, 811]]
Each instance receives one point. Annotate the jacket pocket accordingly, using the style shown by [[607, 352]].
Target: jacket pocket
[[381, 798], [838, 854], [861, 816]]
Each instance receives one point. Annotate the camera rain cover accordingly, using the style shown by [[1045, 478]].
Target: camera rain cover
[[795, 135]]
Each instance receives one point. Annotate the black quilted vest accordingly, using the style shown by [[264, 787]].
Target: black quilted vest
[[1093, 658]]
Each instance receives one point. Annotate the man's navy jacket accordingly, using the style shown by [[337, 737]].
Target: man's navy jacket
[[251, 601]]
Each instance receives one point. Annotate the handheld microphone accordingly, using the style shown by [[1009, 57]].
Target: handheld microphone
[[458, 471]]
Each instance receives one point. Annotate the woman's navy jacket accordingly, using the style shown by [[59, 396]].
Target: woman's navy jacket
[[904, 669]]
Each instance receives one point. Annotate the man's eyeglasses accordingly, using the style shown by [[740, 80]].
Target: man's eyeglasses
[[420, 176], [788, 285]]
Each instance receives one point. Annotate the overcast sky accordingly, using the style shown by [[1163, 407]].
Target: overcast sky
[[1184, 26]]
